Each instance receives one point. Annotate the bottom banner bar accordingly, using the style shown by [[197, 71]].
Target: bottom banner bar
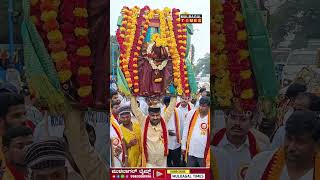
[[159, 173]]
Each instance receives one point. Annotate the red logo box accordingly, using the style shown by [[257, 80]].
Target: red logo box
[[159, 174]]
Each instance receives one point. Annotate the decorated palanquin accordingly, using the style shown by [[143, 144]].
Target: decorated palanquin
[[242, 67], [154, 53]]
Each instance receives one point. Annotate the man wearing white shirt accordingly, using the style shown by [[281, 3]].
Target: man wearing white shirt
[[202, 93], [299, 158], [291, 93], [184, 105], [119, 157], [222, 162], [303, 101], [239, 141], [196, 135], [143, 105], [175, 128]]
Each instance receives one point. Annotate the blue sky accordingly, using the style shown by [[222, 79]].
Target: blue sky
[[201, 37]]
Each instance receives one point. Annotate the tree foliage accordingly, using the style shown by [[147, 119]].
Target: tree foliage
[[301, 18], [203, 65]]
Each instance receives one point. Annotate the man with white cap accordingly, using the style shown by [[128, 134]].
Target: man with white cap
[[47, 160], [154, 133], [175, 127]]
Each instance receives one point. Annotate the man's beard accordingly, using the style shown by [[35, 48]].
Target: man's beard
[[154, 123]]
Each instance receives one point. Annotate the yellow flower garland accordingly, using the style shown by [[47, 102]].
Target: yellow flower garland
[[55, 37], [247, 94], [222, 82], [84, 91], [175, 56], [183, 71], [81, 31], [128, 31], [136, 53], [59, 56], [48, 15], [80, 12], [84, 51]]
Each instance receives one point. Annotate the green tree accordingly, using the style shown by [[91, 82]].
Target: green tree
[[203, 65], [192, 53], [301, 18]]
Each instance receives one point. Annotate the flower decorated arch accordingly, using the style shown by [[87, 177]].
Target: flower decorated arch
[[154, 28]]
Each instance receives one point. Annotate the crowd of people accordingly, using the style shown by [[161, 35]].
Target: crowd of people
[[29, 151], [253, 146], [243, 144], [160, 131], [166, 131]]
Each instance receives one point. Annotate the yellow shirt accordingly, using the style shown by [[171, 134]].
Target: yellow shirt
[[134, 152], [155, 144]]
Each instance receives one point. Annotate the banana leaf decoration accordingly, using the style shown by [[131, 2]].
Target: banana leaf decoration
[[189, 33], [40, 70], [261, 57], [191, 77], [260, 50]]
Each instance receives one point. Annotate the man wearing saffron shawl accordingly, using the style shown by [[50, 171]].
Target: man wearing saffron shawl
[[196, 135], [154, 133], [239, 140], [132, 136], [299, 157]]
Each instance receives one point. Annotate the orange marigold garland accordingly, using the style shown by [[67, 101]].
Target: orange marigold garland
[[67, 26], [181, 38], [49, 13], [127, 32], [136, 47], [123, 49], [177, 31], [174, 53]]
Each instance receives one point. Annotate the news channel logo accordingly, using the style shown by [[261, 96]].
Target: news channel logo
[[191, 18]]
